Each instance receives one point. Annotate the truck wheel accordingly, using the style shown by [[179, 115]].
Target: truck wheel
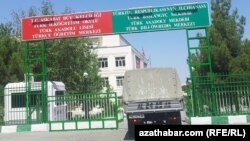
[[131, 129]]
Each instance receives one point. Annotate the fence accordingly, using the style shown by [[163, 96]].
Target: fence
[[14, 105], [83, 111], [1, 105], [229, 93], [97, 107]]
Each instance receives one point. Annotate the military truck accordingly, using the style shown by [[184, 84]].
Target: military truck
[[152, 96]]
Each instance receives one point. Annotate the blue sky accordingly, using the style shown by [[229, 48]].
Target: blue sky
[[165, 48]]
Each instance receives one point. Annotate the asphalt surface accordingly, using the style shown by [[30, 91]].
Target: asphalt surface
[[86, 135]]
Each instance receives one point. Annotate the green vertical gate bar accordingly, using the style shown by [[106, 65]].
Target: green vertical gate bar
[[194, 77], [27, 82], [211, 76], [41, 76], [193, 94], [44, 83]]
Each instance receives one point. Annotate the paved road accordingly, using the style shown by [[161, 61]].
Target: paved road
[[94, 135], [86, 135]]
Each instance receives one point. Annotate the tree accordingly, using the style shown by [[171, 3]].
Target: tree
[[46, 8], [11, 56], [241, 64], [226, 32], [67, 59]]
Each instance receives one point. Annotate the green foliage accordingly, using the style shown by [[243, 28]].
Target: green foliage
[[11, 56], [1, 104], [242, 62], [228, 50], [226, 33], [67, 59]]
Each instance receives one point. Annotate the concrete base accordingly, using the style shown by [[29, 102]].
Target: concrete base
[[219, 120], [24, 128]]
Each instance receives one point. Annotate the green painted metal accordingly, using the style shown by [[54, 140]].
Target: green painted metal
[[231, 91], [196, 63], [219, 120], [248, 118], [71, 108], [35, 67], [13, 104], [23, 128], [27, 83]]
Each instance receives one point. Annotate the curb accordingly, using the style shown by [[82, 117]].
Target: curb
[[220, 120], [24, 128]]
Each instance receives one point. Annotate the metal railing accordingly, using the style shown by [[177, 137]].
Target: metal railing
[[61, 107], [14, 104], [231, 95], [83, 111], [76, 107]]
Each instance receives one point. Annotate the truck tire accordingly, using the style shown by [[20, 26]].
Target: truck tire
[[131, 129]]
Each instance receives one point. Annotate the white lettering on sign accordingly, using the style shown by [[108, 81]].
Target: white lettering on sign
[[159, 26], [121, 13], [60, 29], [131, 28], [41, 36], [187, 24], [156, 22], [192, 7], [63, 23], [45, 30], [86, 27], [61, 34], [136, 23], [184, 19], [160, 15], [95, 31]]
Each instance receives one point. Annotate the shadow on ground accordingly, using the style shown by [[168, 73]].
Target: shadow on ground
[[128, 138]]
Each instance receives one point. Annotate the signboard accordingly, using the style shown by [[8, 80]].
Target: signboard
[[61, 26], [116, 22], [161, 18]]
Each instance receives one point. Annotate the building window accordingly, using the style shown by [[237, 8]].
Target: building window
[[137, 62], [120, 61], [18, 100], [119, 80], [105, 82], [103, 62]]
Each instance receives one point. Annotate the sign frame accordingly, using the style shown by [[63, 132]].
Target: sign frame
[[112, 24]]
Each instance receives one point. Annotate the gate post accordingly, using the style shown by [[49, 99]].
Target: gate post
[[35, 55], [196, 75]]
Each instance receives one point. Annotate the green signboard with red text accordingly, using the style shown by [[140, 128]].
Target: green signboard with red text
[[115, 22]]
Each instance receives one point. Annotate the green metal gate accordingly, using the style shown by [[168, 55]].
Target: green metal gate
[[35, 68], [83, 111], [196, 63], [67, 110]]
